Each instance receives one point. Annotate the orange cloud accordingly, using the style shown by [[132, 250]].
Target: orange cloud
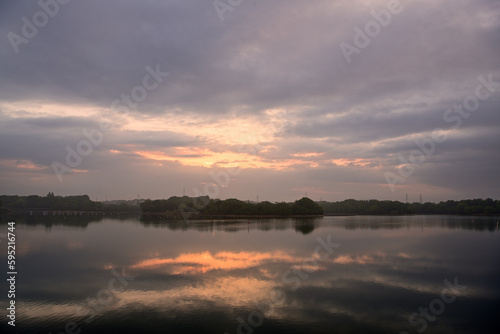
[[346, 259], [351, 162], [307, 155], [207, 158], [21, 164]]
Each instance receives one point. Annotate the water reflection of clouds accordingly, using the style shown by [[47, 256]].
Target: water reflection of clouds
[[400, 270], [193, 263], [232, 291], [378, 276], [348, 287]]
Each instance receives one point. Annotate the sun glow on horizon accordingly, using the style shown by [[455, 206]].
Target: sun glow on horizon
[[207, 158]]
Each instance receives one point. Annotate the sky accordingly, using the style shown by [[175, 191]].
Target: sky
[[342, 99]]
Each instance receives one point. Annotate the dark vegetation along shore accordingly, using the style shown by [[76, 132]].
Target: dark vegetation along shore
[[52, 202], [204, 206]]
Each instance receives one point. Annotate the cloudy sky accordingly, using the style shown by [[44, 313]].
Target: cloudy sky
[[337, 98]]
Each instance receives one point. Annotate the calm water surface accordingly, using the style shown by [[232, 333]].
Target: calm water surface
[[327, 275]]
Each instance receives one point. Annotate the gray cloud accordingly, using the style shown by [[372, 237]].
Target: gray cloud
[[281, 54]]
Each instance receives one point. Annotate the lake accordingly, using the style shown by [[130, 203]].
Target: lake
[[358, 274]]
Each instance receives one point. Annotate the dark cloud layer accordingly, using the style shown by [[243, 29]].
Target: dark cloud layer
[[338, 126]]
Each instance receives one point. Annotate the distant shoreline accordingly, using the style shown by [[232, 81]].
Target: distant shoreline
[[192, 216], [204, 206], [217, 216]]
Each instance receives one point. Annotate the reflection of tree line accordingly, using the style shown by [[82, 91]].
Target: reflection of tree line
[[375, 207], [55, 220], [49, 221], [302, 225], [483, 224]]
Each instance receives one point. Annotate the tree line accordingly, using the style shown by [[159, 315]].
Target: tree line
[[206, 205], [232, 206], [70, 203], [376, 207]]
